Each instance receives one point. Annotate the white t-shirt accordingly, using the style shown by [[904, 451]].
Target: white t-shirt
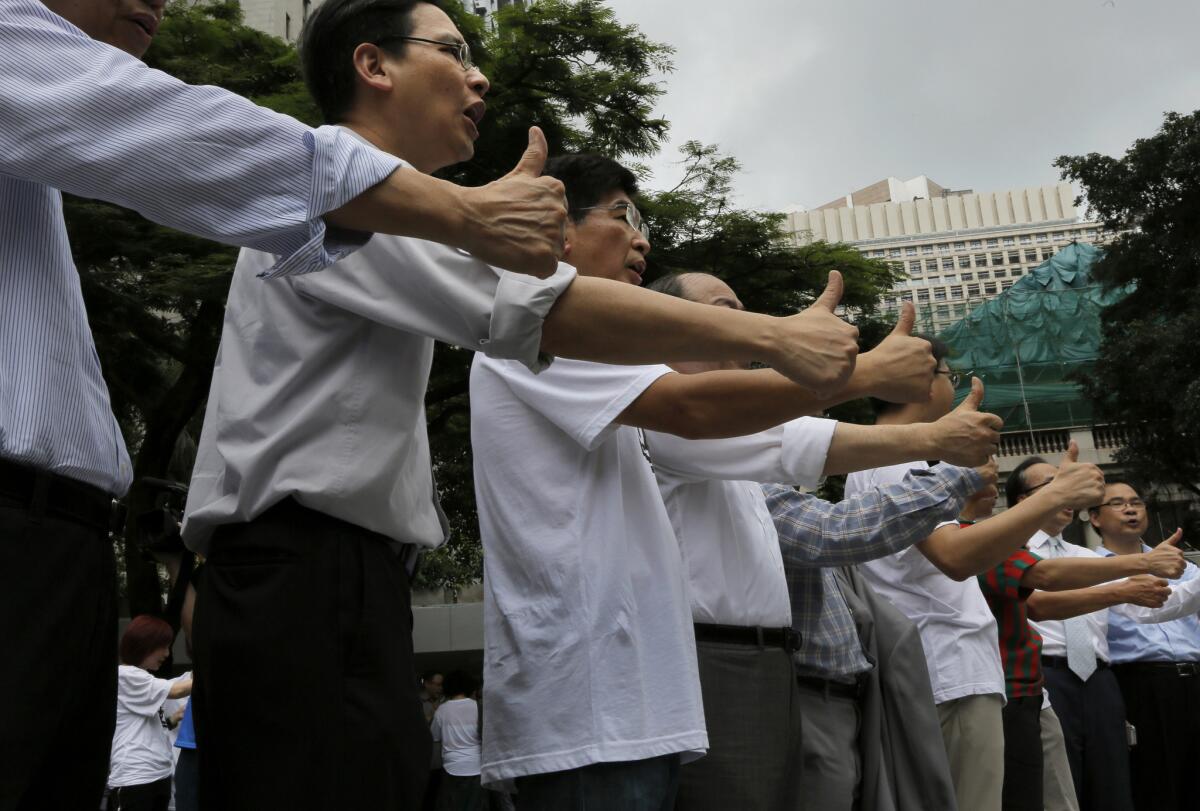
[[456, 726], [957, 628], [589, 653], [141, 750]]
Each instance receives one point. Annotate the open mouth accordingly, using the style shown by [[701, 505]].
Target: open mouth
[[146, 22], [637, 268], [476, 112]]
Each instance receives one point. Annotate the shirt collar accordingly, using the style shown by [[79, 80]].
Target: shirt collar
[[1041, 539]]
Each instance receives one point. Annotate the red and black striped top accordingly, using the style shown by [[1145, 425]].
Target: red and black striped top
[[1020, 644]]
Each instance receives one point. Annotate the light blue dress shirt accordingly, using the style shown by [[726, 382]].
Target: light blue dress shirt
[[81, 116], [1174, 641]]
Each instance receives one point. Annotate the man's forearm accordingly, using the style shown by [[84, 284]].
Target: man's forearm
[[863, 447], [1063, 574], [611, 322], [406, 203], [968, 551], [1061, 605]]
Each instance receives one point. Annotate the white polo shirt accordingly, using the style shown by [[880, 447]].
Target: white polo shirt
[[726, 535], [957, 628], [589, 653]]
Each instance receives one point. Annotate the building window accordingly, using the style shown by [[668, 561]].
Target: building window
[[1017, 271], [960, 246], [973, 290], [948, 263], [926, 249], [906, 296], [1005, 285], [922, 295], [1014, 257], [956, 292], [1041, 238], [895, 253], [910, 251], [968, 277], [993, 243], [1047, 253], [1000, 274], [1025, 240], [944, 247], [914, 267], [997, 259], [964, 261], [1031, 255], [943, 310], [981, 260], [931, 264], [976, 243], [939, 294], [1008, 241], [951, 279], [990, 288]]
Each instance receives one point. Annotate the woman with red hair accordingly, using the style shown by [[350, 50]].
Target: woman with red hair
[[139, 776]]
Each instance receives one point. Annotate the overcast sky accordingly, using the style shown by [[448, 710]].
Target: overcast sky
[[817, 99]]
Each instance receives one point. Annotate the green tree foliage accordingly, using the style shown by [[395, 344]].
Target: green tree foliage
[[156, 297], [1148, 373]]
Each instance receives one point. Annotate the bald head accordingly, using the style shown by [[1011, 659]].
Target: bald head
[[702, 288]]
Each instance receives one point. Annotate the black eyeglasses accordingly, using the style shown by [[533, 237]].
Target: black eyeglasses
[[632, 216], [461, 50], [1037, 487], [1121, 503]]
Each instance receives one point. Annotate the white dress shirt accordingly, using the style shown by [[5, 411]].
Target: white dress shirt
[[319, 387], [726, 535], [1054, 639], [957, 628], [589, 651], [81, 116]]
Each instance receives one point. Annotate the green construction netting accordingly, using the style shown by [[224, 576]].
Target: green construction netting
[[1025, 342]]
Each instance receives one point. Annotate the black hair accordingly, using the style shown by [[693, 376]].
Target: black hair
[[332, 33], [671, 284], [939, 349], [429, 674], [458, 683], [588, 177], [1014, 487]]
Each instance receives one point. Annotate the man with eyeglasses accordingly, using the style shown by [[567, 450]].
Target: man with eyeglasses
[[934, 584], [1073, 628], [1156, 665], [313, 489]]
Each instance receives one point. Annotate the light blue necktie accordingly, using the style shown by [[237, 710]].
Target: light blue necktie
[[1081, 652]]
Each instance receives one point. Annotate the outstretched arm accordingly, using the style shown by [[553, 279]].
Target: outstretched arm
[[1143, 590], [1063, 574], [870, 524]]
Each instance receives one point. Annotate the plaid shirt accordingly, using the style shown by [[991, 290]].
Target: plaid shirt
[[1020, 644], [815, 534]]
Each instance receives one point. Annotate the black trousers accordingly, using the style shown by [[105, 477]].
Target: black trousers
[[1093, 721], [58, 671], [1022, 718], [154, 796], [1165, 708], [305, 692]]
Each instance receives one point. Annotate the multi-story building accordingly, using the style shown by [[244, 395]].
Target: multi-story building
[[956, 248], [285, 18]]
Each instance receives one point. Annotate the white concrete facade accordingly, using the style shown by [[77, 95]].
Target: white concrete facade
[[957, 249]]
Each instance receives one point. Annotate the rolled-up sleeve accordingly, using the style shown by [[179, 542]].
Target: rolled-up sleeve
[[793, 453], [522, 304], [84, 117]]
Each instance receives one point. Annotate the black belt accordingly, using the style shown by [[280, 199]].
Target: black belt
[[51, 494], [1182, 669], [785, 638], [829, 687], [1060, 662]]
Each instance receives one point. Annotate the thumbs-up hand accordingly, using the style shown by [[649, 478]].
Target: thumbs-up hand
[[1076, 484], [519, 221], [901, 368], [817, 349], [966, 436], [1166, 559]]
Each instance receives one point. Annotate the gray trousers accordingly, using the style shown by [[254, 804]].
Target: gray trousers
[[830, 762], [973, 731], [1058, 789], [750, 710]]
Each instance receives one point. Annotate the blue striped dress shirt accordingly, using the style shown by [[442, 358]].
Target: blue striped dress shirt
[[81, 116]]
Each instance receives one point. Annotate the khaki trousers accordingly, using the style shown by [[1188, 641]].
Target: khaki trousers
[[973, 731], [1058, 789]]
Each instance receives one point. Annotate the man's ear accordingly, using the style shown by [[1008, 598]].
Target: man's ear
[[369, 63], [568, 240]]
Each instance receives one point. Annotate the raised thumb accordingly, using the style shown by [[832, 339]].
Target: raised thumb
[[534, 157], [1072, 452], [974, 398], [832, 294], [908, 317], [1176, 538]]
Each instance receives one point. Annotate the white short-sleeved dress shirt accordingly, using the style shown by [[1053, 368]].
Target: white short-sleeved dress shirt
[[726, 535], [589, 653], [957, 629], [319, 387], [1054, 639]]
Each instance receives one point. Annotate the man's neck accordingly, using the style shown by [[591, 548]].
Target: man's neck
[[1123, 546]]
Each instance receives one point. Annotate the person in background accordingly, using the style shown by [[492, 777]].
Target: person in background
[[1157, 666], [431, 693], [456, 728], [139, 777]]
